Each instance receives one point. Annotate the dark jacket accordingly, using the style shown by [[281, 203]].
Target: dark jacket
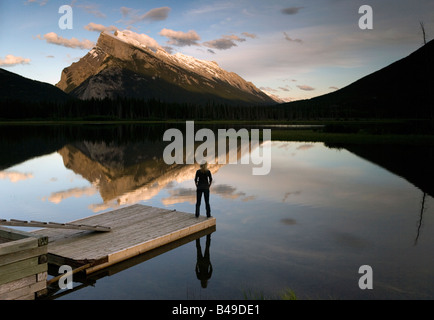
[[203, 179]]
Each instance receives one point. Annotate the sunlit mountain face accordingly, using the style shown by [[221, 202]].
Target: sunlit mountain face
[[121, 65]]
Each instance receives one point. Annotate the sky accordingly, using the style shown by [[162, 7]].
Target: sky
[[293, 49]]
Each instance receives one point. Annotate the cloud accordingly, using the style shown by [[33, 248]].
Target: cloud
[[305, 146], [11, 60], [306, 88], [269, 89], [125, 11], [41, 2], [58, 197], [220, 44], [90, 8], [15, 176], [142, 38], [334, 88], [99, 27], [273, 93], [230, 192], [291, 10], [289, 221], [212, 8], [224, 43], [287, 194], [288, 38], [157, 14], [189, 195], [179, 196], [234, 38], [168, 49], [74, 43], [249, 35], [70, 59], [180, 38]]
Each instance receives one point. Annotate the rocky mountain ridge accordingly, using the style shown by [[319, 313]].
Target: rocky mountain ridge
[[121, 66]]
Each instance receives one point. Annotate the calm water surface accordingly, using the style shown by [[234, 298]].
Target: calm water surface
[[307, 226]]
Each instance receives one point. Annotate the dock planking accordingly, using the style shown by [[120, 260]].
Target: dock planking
[[134, 230]]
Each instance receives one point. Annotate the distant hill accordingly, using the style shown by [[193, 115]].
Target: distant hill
[[120, 66], [14, 87], [402, 89]]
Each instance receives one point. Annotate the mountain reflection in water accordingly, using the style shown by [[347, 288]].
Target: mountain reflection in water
[[121, 183], [321, 212], [125, 164]]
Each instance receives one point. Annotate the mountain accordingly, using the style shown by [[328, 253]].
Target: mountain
[[15, 87], [402, 89], [121, 66]]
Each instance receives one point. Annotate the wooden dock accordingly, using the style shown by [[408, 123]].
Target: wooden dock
[[133, 230], [23, 265]]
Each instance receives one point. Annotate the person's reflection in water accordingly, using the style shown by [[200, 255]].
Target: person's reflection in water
[[203, 265]]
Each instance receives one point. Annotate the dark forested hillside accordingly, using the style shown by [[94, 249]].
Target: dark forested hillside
[[403, 89], [16, 87]]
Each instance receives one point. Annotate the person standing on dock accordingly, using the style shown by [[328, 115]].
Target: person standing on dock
[[203, 181]]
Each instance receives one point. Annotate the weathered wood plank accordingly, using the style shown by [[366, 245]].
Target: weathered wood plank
[[16, 284], [30, 296], [114, 219], [122, 238], [13, 234], [18, 245], [22, 255], [132, 237], [134, 230], [12, 267], [22, 273], [155, 242], [8, 235], [24, 293], [23, 261], [41, 276], [107, 240], [55, 225], [4, 240]]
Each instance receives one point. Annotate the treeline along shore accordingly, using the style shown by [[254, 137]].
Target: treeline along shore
[[126, 109]]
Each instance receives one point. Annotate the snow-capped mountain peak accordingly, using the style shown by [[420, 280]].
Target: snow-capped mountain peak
[[126, 58]]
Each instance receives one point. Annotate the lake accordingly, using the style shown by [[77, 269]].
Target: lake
[[307, 227]]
